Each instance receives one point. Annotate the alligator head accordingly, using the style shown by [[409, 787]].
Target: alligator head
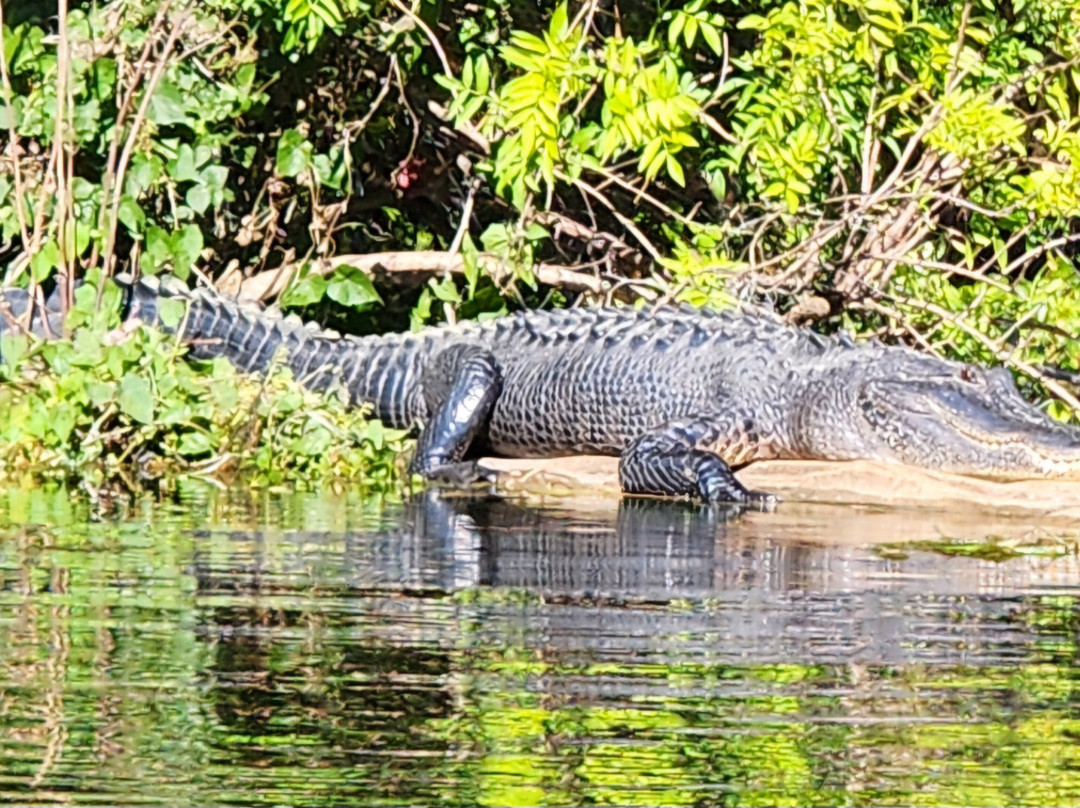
[[933, 413]]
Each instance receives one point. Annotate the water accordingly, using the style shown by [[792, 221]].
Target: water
[[320, 650]]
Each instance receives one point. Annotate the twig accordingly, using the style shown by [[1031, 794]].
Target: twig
[[951, 269], [13, 140], [118, 127], [898, 316], [585, 188], [129, 145], [954, 68], [466, 215], [1035, 252], [725, 67], [871, 147], [408, 12], [715, 126], [643, 194], [408, 108], [63, 210], [953, 199], [359, 126]]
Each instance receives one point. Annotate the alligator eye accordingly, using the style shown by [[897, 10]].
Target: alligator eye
[[969, 374]]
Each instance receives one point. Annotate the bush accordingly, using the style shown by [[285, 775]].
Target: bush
[[115, 403]]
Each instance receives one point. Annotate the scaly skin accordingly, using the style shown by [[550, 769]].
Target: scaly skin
[[681, 395]]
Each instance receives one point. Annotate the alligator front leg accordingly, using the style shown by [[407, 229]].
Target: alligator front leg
[[460, 387], [682, 460]]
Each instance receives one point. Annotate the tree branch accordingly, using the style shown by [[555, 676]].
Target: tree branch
[[425, 263]]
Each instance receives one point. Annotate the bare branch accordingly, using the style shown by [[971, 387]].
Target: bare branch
[[408, 12], [423, 263]]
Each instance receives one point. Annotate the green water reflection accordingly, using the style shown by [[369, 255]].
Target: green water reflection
[[324, 650]]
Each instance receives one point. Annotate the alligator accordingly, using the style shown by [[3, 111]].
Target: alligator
[[682, 396]]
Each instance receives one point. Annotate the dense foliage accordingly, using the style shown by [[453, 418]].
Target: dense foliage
[[907, 169], [123, 404]]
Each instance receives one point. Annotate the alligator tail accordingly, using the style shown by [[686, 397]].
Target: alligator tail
[[381, 371], [45, 322], [376, 370]]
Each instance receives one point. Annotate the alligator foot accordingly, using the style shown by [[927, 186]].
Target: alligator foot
[[669, 463], [761, 501], [460, 386]]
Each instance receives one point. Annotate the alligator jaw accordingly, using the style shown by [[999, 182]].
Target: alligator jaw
[[976, 423], [1035, 452]]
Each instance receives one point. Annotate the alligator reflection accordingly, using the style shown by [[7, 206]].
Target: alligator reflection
[[473, 651], [754, 597]]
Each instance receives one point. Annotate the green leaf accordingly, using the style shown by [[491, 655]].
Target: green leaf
[[470, 258], [559, 22], [167, 105], [131, 214], [144, 173], [421, 312], [712, 38], [308, 290], [535, 232], [445, 290], [62, 422], [136, 399], [675, 170], [676, 28], [198, 198], [350, 287], [293, 153], [774, 188], [330, 168], [754, 22], [45, 261], [224, 393], [157, 251], [690, 31], [13, 347], [376, 433], [101, 393], [192, 444], [327, 11], [89, 351], [183, 167], [467, 73], [496, 239], [792, 200], [171, 311], [186, 245], [483, 75]]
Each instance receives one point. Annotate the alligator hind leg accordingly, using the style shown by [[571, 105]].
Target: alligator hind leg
[[460, 387], [671, 462]]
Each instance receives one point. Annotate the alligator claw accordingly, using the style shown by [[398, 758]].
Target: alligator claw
[[761, 501]]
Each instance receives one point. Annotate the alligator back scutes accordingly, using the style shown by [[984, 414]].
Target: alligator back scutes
[[657, 327]]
